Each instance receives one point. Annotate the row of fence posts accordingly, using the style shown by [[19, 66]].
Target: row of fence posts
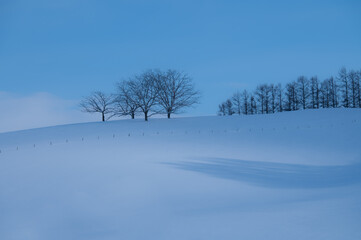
[[186, 133]]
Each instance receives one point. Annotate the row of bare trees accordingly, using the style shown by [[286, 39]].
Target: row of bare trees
[[305, 93], [151, 92]]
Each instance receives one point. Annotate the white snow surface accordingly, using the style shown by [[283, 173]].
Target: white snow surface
[[293, 175]]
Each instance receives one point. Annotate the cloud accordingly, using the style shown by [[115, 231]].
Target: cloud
[[38, 110]]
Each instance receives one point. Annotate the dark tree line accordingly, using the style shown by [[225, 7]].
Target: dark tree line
[[149, 93], [304, 93]]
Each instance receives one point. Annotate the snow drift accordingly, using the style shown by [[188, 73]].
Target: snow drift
[[294, 175]]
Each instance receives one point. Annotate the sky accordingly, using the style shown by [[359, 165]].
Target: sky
[[52, 53]]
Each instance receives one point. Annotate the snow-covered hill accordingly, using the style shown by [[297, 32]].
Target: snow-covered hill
[[294, 175]]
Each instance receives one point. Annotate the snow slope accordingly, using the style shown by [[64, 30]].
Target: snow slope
[[294, 175]]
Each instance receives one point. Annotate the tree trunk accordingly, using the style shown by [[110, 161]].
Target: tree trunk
[[346, 95], [146, 116], [359, 93], [168, 114], [133, 115], [103, 117]]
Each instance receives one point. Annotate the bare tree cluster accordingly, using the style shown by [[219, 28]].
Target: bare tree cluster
[[149, 93], [304, 93]]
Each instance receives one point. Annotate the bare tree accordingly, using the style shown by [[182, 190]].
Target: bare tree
[[315, 93], [222, 109], [353, 77], [267, 98], [237, 102], [292, 96], [333, 92], [229, 107], [273, 90], [245, 97], [124, 103], [98, 102], [302, 90], [343, 79], [279, 95], [143, 92], [325, 94], [359, 88], [175, 91], [261, 92]]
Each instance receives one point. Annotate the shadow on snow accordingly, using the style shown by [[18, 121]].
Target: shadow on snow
[[276, 175]]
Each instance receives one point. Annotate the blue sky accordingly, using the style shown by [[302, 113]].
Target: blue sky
[[69, 48]]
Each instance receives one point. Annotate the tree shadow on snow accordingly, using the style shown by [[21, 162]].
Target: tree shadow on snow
[[277, 175]]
